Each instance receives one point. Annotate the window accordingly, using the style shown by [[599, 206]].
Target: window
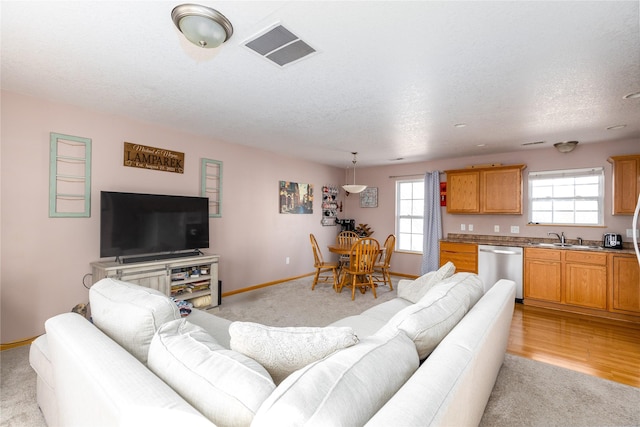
[[567, 197], [409, 215]]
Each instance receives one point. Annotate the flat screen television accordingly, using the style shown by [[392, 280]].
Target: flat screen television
[[142, 224]]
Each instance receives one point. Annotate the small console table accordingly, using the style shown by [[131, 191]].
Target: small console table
[[188, 278]]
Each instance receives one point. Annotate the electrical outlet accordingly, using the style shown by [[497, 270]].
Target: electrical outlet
[[286, 260], [630, 233], [470, 227], [515, 229], [496, 228], [462, 228]]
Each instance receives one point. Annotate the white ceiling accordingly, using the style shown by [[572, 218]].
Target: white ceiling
[[390, 79]]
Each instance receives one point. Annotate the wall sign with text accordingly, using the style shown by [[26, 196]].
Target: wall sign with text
[[160, 159]]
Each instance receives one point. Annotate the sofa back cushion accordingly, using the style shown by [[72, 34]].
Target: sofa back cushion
[[283, 350], [130, 314], [429, 320], [414, 290], [345, 389], [224, 385]]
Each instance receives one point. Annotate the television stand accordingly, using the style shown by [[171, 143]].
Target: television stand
[[191, 276], [158, 257]]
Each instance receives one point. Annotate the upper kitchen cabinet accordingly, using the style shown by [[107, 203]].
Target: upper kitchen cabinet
[[485, 190], [626, 183]]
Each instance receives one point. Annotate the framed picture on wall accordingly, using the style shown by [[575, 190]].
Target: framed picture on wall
[[369, 197], [296, 198]]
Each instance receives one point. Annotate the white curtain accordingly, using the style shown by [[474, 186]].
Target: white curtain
[[432, 232]]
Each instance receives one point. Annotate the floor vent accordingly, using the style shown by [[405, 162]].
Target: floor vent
[[280, 46]]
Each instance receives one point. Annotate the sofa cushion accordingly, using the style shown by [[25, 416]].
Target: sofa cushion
[[224, 385], [429, 320], [345, 389], [130, 314], [415, 290], [282, 350]]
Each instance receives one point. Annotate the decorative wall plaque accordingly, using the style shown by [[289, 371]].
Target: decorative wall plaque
[[369, 197], [159, 159]]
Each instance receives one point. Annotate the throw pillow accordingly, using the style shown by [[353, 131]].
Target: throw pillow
[[282, 350], [130, 314], [224, 385], [345, 389], [429, 320], [415, 290]]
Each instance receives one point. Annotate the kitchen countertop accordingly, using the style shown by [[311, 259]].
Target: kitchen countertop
[[534, 242]]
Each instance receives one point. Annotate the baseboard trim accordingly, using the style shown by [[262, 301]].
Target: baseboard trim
[[264, 285], [15, 344]]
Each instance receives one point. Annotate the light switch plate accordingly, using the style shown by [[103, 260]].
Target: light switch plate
[[515, 229], [496, 228], [462, 227]]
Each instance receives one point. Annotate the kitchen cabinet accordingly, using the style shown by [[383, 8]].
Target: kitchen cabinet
[[542, 274], [598, 283], [625, 280], [567, 277], [463, 255], [626, 183], [585, 279], [491, 190]]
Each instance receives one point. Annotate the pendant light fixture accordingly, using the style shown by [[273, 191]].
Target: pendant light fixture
[[355, 188], [201, 25]]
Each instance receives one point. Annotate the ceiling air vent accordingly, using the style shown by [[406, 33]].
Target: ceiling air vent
[[280, 46]]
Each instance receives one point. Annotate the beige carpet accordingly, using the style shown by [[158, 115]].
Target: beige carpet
[[527, 393]]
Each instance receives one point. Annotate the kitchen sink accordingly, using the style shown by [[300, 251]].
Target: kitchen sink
[[563, 245], [552, 245]]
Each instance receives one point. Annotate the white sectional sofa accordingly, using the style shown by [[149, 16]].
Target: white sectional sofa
[[428, 357]]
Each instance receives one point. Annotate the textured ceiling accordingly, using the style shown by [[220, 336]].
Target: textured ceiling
[[390, 79]]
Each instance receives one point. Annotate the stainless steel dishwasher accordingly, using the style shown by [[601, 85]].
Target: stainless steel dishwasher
[[500, 262]]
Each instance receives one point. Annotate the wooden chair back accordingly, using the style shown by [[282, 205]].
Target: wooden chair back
[[317, 254], [363, 256], [347, 238], [389, 246]]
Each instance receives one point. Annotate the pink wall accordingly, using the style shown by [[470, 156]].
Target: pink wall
[[382, 219], [44, 259]]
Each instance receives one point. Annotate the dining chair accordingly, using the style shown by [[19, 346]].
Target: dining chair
[[381, 268], [346, 239], [362, 258], [322, 268]]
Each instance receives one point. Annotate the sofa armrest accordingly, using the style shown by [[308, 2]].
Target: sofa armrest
[[99, 383], [402, 283], [454, 383]]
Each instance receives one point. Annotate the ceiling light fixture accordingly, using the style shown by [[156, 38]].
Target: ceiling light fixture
[[201, 25], [616, 127], [633, 95], [566, 146], [355, 188]]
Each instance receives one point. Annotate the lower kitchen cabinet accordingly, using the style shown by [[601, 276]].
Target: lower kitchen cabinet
[[585, 279], [625, 279], [542, 274], [590, 282], [463, 255]]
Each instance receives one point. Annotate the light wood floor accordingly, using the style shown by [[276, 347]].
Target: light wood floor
[[599, 347]]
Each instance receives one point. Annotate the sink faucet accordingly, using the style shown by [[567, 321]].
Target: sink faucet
[[559, 236]]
